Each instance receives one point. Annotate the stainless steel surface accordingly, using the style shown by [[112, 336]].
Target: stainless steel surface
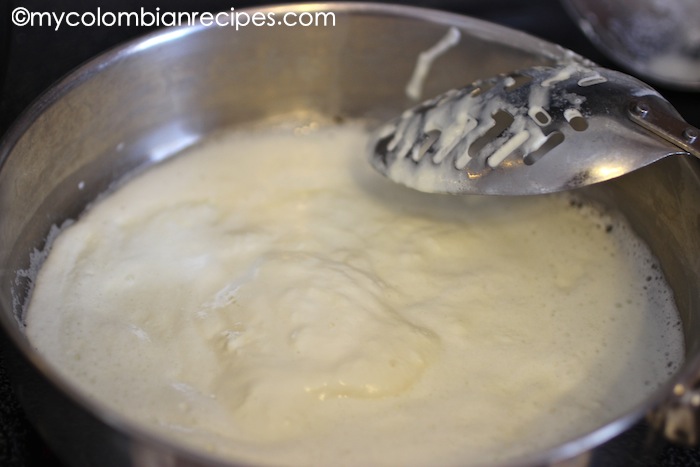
[[532, 131], [656, 39], [656, 115], [679, 417], [145, 101]]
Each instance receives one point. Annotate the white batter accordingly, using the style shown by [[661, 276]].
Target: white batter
[[268, 297]]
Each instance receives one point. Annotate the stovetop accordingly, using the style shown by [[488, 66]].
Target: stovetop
[[32, 58]]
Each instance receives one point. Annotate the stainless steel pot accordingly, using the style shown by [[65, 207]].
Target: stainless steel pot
[[151, 98], [658, 41]]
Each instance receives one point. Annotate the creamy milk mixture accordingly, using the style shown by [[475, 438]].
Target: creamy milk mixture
[[268, 297]]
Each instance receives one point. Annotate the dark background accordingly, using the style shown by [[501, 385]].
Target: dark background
[[32, 58]]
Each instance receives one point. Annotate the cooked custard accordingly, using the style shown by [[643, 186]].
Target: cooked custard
[[267, 298]]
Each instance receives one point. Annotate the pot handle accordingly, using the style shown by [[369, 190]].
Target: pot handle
[[678, 418]]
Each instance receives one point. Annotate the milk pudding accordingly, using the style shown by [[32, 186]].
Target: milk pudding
[[268, 298]]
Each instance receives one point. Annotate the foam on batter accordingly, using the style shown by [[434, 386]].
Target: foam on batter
[[269, 298]]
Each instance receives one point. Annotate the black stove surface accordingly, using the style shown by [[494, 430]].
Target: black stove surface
[[32, 58]]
